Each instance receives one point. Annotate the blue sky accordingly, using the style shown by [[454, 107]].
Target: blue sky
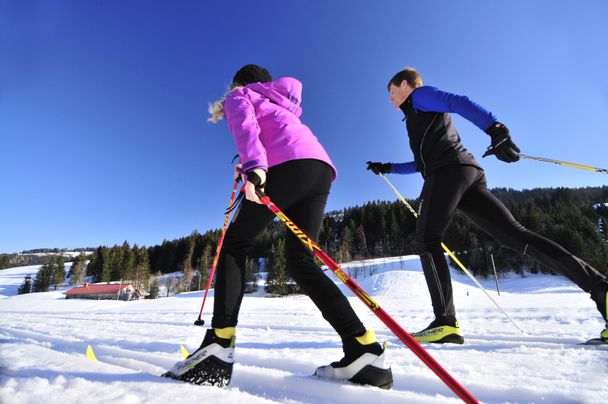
[[103, 130]]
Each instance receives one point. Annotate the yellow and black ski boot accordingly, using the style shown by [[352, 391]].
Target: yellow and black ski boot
[[443, 330], [604, 334], [599, 294]]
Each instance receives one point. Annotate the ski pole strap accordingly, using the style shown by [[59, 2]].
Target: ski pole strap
[[255, 179], [565, 163], [236, 202]]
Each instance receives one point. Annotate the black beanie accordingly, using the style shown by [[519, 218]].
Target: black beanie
[[251, 74]]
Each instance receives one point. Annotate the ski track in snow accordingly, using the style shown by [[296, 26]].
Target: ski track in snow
[[280, 342]]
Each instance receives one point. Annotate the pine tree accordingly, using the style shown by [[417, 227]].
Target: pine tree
[[346, 245], [360, 243], [58, 271], [276, 281], [166, 260], [42, 282], [105, 265], [116, 262], [126, 269], [186, 249], [141, 271], [204, 265], [154, 289], [251, 269], [26, 286], [77, 270], [94, 265]]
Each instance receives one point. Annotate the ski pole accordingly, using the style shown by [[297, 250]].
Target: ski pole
[[565, 163], [200, 321], [451, 254], [495, 274], [406, 338]]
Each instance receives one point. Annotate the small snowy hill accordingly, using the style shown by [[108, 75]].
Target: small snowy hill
[[12, 278], [280, 341]]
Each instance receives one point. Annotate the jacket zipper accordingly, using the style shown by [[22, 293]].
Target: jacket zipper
[[422, 143]]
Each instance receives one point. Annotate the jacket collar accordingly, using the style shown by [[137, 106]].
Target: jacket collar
[[405, 105]]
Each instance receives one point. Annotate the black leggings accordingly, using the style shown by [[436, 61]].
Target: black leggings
[[465, 188], [300, 189]]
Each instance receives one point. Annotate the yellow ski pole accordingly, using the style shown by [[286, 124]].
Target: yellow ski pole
[[451, 254], [565, 163]]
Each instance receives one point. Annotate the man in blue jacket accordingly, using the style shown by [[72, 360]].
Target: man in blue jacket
[[453, 179]]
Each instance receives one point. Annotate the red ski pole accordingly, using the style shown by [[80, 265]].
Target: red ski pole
[[403, 335], [200, 321]]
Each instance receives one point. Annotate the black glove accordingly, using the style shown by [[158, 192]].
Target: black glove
[[502, 146], [379, 168]]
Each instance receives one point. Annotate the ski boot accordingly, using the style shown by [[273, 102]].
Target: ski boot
[[211, 364], [364, 362], [604, 334], [441, 331]]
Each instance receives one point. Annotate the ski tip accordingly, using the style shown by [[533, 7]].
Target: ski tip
[[595, 341], [183, 351], [90, 353]]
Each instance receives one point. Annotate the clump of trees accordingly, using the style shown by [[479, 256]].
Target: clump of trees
[[120, 263], [50, 275]]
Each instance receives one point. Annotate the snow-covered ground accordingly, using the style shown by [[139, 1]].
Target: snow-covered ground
[[280, 342]]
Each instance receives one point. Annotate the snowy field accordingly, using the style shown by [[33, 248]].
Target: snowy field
[[280, 342]]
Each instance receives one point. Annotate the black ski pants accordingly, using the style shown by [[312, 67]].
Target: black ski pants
[[300, 189], [465, 188]]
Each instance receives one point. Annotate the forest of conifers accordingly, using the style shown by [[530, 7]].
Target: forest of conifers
[[574, 218]]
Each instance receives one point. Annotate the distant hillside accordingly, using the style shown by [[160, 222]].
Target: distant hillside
[[37, 257]]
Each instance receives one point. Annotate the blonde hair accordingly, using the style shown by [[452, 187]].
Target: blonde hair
[[216, 109]]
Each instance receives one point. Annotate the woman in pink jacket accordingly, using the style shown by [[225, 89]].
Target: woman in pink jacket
[[282, 156]]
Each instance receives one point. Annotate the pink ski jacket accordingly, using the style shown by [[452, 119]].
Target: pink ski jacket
[[264, 121]]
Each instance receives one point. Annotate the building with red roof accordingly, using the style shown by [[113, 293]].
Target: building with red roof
[[103, 291]]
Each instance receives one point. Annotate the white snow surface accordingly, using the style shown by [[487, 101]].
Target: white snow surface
[[280, 342]]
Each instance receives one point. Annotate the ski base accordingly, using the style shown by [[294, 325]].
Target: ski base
[[349, 382], [595, 341]]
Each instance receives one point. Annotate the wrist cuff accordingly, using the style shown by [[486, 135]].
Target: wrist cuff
[[254, 178]]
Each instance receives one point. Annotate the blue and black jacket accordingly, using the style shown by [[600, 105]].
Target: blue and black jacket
[[433, 137]]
